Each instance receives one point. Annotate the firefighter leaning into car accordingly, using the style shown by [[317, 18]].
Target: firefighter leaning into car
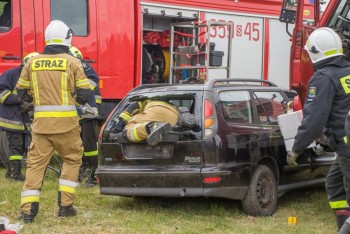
[[50, 79], [14, 119], [88, 123], [327, 105], [146, 120]]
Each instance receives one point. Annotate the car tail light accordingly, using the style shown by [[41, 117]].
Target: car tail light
[[208, 109], [211, 180], [208, 112], [297, 103]]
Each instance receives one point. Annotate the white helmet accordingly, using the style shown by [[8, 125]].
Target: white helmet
[[58, 33], [323, 43]]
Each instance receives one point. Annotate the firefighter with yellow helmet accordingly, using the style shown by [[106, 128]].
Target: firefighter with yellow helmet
[[14, 119], [88, 123], [49, 80]]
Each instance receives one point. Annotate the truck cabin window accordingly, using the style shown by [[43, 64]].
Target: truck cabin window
[[5, 16], [73, 13]]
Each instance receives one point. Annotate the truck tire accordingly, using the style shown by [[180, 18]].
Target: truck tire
[[262, 196], [4, 148]]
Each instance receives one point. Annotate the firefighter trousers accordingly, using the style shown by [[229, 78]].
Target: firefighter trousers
[[69, 147], [137, 125], [338, 183], [89, 137]]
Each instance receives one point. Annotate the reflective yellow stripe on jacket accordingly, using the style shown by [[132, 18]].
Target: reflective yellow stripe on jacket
[[55, 111]]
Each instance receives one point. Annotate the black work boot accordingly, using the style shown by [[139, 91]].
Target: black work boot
[[16, 168], [26, 218], [91, 181], [156, 131], [8, 170], [341, 216], [67, 211]]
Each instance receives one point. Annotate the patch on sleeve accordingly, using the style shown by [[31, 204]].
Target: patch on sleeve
[[311, 93], [345, 83]]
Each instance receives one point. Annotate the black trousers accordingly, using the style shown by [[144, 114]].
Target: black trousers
[[16, 145], [338, 183], [89, 138]]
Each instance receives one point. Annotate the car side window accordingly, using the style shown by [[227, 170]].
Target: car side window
[[269, 105], [5, 16], [236, 106]]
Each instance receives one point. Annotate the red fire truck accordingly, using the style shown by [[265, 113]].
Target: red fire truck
[[111, 33]]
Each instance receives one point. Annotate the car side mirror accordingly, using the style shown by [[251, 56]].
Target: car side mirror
[[288, 11]]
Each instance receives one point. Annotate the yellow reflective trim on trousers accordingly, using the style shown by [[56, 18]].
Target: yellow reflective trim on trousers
[[29, 199], [16, 157], [35, 88], [11, 126], [136, 136], [67, 189], [23, 83], [64, 88], [54, 114], [98, 101], [91, 153], [338, 204]]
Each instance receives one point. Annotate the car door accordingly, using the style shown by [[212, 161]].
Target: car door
[[269, 105]]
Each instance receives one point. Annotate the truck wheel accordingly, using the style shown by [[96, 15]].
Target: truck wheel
[[261, 199]]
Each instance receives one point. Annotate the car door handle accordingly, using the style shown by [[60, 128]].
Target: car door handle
[[10, 57]]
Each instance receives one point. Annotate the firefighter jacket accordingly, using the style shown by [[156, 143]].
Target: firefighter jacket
[[94, 83], [11, 118], [51, 79], [139, 106], [326, 106]]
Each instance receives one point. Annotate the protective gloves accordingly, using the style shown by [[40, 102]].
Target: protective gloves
[[25, 107], [292, 158], [118, 125]]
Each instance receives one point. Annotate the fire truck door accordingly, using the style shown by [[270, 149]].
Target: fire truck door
[[10, 34], [80, 16]]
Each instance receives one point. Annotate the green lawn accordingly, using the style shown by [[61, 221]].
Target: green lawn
[[108, 214]]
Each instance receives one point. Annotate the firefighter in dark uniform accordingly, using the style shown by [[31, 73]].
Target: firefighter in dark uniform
[[88, 123], [14, 119], [327, 105], [146, 120], [50, 80]]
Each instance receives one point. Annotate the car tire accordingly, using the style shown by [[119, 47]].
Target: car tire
[[261, 198]]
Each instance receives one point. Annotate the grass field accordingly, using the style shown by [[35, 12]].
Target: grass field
[[109, 214]]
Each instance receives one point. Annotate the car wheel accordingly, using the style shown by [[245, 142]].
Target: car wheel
[[261, 199]]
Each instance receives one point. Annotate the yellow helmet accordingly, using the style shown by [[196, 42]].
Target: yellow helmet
[[28, 56], [76, 52]]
